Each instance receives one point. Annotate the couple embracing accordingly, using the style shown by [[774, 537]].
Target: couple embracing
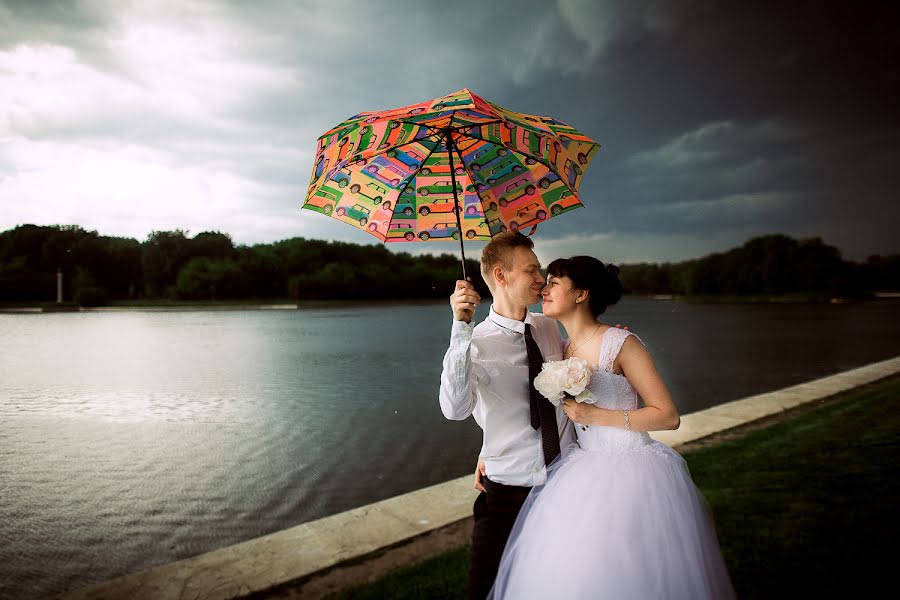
[[577, 500]]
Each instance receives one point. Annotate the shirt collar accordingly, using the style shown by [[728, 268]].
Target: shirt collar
[[511, 324]]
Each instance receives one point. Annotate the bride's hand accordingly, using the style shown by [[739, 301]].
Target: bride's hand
[[578, 412]]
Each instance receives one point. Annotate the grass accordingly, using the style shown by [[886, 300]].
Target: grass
[[804, 508]]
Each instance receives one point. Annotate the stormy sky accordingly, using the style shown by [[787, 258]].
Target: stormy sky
[[718, 120]]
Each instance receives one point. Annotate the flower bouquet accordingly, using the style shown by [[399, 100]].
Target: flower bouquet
[[561, 378]]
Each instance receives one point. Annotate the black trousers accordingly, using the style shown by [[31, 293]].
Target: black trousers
[[495, 513]]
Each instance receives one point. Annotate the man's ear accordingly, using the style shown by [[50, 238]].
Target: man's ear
[[499, 275], [583, 296]]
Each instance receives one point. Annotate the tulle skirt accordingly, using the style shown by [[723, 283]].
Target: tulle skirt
[[618, 521]]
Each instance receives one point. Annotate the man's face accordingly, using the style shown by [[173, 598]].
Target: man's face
[[524, 279]]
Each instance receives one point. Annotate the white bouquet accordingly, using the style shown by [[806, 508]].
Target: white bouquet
[[559, 377]]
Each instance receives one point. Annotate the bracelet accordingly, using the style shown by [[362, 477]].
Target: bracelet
[[627, 420]]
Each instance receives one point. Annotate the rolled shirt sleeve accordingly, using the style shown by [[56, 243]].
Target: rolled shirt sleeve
[[457, 394]]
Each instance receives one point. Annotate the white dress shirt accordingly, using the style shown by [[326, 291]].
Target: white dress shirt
[[486, 375]]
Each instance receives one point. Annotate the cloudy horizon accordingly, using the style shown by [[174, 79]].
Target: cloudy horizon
[[718, 121]]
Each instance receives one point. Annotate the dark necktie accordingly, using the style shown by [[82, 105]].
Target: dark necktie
[[543, 414]]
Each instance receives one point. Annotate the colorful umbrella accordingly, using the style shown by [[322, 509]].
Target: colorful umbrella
[[450, 168]]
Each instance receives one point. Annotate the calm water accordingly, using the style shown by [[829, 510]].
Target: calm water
[[133, 439]]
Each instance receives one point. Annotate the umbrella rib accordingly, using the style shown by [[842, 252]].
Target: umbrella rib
[[547, 164], [474, 187], [415, 173]]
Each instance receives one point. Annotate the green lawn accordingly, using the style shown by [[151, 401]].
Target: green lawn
[[805, 508]]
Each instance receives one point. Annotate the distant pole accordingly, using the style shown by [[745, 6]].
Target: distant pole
[[59, 286]]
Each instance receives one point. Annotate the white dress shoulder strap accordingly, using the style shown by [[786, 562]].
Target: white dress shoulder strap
[[613, 339]]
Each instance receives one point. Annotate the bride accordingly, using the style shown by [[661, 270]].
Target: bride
[[619, 516]]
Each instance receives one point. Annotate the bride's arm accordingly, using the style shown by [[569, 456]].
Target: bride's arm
[[659, 411]]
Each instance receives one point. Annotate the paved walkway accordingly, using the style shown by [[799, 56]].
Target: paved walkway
[[325, 555]]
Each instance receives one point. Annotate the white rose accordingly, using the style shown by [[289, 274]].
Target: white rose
[[577, 374], [551, 381]]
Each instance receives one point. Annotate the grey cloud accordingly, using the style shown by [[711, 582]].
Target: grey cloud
[[718, 120]]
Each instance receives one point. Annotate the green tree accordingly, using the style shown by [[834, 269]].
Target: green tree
[[207, 279], [162, 257]]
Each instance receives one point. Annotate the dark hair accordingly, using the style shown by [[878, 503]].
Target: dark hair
[[589, 274], [499, 252]]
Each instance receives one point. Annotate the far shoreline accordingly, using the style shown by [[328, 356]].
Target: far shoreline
[[287, 304]]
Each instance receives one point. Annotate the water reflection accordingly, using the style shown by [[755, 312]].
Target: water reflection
[[133, 439]]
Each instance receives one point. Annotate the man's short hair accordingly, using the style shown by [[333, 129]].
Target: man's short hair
[[499, 252]]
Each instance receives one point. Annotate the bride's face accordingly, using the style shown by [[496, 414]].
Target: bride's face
[[559, 296]]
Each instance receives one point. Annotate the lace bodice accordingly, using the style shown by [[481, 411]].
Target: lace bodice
[[612, 391], [609, 390]]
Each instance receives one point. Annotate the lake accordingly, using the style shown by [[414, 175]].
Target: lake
[[132, 439]]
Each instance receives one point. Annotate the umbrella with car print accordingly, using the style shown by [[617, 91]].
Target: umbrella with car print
[[453, 168]]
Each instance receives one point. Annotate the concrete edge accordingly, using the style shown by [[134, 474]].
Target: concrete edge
[[328, 554], [719, 418], [296, 554]]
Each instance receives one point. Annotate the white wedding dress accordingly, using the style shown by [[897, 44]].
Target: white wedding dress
[[619, 516]]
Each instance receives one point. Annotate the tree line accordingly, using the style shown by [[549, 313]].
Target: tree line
[[170, 265], [772, 265], [209, 266]]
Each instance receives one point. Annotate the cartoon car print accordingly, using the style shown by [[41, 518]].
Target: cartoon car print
[[386, 114], [562, 201], [441, 163], [411, 159], [528, 214], [496, 226], [572, 172], [440, 230], [398, 135], [441, 187], [324, 199], [407, 232], [473, 206], [486, 155], [344, 149], [357, 212], [367, 138], [376, 226], [438, 206], [383, 169], [515, 190], [341, 177], [404, 207], [321, 165], [502, 171], [397, 229], [548, 179], [449, 103], [377, 193]]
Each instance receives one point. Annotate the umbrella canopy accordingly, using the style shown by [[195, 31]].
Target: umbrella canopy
[[446, 169]]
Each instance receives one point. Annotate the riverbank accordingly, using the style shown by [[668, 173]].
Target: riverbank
[[199, 305], [287, 303], [332, 553], [803, 502]]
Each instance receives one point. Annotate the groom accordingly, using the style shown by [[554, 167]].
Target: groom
[[488, 373]]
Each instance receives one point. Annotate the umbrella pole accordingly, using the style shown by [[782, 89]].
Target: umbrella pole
[[458, 210]]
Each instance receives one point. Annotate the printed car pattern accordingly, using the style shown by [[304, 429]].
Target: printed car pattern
[[388, 172]]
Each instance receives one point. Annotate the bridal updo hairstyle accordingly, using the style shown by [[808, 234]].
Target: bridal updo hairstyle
[[589, 274]]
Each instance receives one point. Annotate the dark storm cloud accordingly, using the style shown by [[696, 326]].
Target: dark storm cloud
[[718, 120]]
